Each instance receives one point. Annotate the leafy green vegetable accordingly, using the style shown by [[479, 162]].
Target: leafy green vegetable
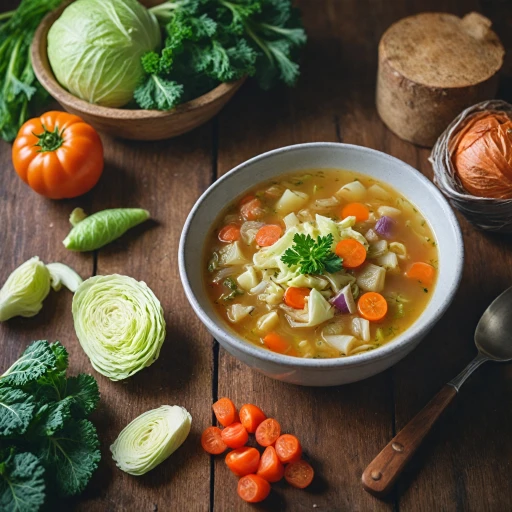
[[230, 283], [22, 487], [47, 446], [213, 41], [313, 257], [95, 47], [26, 288], [21, 94], [119, 323], [102, 227], [151, 438]]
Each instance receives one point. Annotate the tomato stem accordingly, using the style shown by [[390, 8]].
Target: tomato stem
[[49, 141]]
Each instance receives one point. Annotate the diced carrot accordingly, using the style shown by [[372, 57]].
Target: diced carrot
[[229, 233], [225, 411], [235, 435], [251, 416], [246, 199], [288, 449], [372, 306], [268, 235], [270, 467], [277, 343], [296, 297], [253, 489], [357, 210], [422, 272], [243, 461], [267, 432], [352, 252], [252, 210], [299, 474], [211, 441]]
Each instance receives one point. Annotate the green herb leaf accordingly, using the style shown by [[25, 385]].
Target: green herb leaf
[[16, 411], [158, 93], [313, 257], [230, 283], [22, 487]]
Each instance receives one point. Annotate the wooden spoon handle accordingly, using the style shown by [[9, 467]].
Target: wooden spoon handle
[[379, 477]]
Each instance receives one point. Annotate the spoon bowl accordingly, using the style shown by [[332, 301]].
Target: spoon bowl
[[493, 335]]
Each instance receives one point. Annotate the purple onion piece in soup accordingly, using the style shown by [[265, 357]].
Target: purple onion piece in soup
[[344, 301], [385, 226]]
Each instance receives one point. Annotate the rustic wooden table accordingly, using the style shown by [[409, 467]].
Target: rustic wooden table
[[466, 462]]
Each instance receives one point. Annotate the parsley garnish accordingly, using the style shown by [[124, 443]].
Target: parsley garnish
[[231, 285], [313, 257]]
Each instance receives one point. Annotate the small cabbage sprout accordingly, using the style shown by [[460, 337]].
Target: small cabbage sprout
[[151, 438]]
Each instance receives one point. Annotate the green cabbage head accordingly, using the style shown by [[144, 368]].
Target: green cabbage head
[[119, 323], [151, 438], [95, 49]]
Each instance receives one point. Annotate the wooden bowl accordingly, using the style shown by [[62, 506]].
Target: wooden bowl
[[484, 212], [127, 123]]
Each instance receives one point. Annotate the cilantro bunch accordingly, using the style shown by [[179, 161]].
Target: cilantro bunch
[[212, 41], [48, 447], [313, 257]]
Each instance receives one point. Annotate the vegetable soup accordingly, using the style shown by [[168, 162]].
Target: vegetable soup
[[325, 263]]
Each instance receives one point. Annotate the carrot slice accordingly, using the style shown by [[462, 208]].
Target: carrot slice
[[372, 306], [288, 449], [267, 432], [229, 233], [277, 343], [251, 416], [246, 199], [422, 272], [352, 252], [296, 297], [299, 474], [357, 210], [243, 461], [235, 435], [225, 411], [270, 467], [252, 209], [253, 489], [212, 442], [268, 235]]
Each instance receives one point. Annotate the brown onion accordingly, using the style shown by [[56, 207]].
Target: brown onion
[[482, 155]]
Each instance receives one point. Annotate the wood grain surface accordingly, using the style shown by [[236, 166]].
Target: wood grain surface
[[463, 465]]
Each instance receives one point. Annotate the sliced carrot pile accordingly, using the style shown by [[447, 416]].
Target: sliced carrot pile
[[211, 441], [422, 272], [352, 252], [243, 461], [288, 448], [372, 306], [229, 233], [251, 416], [252, 209], [253, 489], [357, 210], [296, 297], [235, 435], [281, 457], [270, 467], [225, 411], [268, 235], [268, 432], [299, 474]]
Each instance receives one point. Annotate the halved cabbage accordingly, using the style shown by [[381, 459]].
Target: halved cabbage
[[119, 323], [151, 438]]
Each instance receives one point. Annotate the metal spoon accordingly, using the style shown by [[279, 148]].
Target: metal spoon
[[494, 343]]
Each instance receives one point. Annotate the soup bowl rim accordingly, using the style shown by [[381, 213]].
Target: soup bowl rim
[[404, 342]]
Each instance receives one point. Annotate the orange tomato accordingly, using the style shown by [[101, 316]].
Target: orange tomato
[[58, 155], [243, 461], [235, 435], [270, 467], [253, 489], [299, 474], [267, 432], [288, 449], [211, 441], [225, 411], [251, 416]]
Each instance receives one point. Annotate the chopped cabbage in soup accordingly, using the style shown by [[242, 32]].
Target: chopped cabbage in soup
[[325, 263]]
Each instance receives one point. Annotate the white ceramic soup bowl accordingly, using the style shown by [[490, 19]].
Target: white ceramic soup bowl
[[406, 180]]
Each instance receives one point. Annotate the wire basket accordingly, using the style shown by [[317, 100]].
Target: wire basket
[[485, 213]]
